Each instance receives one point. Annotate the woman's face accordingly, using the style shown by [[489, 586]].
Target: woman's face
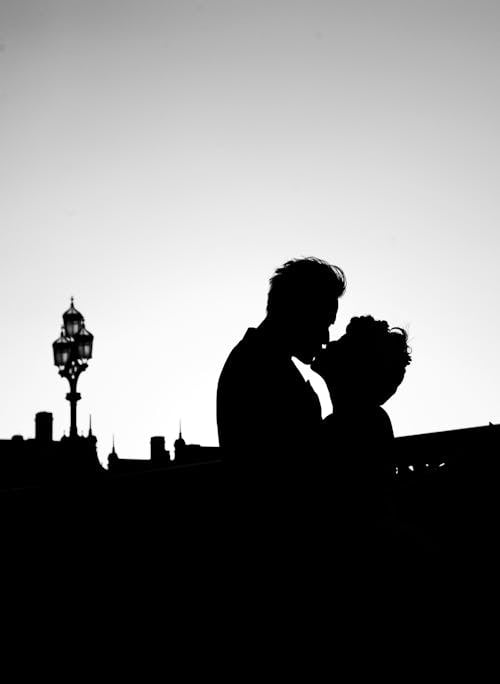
[[356, 378]]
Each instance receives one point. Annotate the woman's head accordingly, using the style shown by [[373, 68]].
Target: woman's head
[[367, 364]]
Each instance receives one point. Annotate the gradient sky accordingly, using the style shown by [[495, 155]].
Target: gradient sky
[[159, 160]]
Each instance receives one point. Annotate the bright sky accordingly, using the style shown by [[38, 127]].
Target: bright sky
[[159, 160]]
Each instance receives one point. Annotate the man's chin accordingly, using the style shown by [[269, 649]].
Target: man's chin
[[314, 364]]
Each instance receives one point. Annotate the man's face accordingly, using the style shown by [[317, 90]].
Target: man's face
[[310, 329]]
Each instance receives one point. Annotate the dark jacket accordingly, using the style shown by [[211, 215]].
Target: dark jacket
[[265, 409]]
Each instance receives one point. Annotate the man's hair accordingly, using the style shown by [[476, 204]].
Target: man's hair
[[302, 281]]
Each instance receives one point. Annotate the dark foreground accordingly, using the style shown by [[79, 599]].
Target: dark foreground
[[244, 569], [196, 522]]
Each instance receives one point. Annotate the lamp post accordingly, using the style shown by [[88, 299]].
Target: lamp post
[[72, 350]]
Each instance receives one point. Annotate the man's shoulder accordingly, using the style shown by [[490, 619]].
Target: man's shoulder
[[249, 341], [239, 360], [250, 349], [254, 359]]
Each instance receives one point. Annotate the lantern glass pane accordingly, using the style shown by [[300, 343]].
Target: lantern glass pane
[[61, 355], [72, 327], [85, 349]]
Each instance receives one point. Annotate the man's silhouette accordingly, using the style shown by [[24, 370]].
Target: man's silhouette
[[266, 411]]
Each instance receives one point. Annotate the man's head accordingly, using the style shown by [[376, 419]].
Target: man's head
[[303, 302]]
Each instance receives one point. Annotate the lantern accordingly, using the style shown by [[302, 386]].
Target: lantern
[[62, 350], [73, 321], [84, 340]]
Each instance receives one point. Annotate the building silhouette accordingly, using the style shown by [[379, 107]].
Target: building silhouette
[[45, 461], [40, 461], [467, 455], [160, 458], [192, 454], [461, 452]]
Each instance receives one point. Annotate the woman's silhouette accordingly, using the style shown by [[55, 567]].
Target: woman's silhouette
[[362, 370]]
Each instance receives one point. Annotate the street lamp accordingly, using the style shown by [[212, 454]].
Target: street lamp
[[72, 350]]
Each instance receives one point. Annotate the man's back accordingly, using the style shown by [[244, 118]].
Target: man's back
[[264, 406]]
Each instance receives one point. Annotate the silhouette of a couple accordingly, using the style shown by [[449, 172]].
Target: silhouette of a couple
[[304, 490], [269, 418]]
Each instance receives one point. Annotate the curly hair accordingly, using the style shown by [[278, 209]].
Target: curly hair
[[370, 357], [301, 280], [366, 331]]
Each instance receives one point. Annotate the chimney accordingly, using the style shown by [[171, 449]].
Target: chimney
[[157, 448], [43, 427]]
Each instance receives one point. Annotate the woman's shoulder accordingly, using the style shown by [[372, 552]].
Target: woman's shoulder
[[368, 420], [380, 419]]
